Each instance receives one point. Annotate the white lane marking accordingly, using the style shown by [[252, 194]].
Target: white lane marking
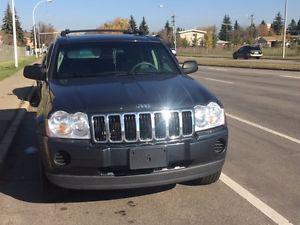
[[290, 77], [221, 81], [264, 128], [257, 203]]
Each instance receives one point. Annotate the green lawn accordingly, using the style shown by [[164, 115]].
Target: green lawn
[[269, 53], [8, 68]]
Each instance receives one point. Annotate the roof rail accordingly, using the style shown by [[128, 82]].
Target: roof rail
[[64, 33]]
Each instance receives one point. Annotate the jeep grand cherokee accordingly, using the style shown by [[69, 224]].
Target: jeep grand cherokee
[[117, 111]]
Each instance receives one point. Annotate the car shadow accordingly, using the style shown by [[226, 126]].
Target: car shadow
[[20, 177], [29, 94]]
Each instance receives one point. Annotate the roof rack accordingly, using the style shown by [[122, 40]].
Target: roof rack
[[64, 33]]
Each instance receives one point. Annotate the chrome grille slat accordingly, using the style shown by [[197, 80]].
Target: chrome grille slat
[[142, 127]]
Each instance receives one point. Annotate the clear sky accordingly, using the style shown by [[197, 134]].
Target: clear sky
[[79, 14]]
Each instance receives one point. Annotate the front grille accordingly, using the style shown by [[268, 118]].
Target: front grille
[[145, 126]]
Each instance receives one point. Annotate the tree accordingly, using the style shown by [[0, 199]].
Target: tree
[[132, 25], [195, 41], [263, 29], [292, 28], [210, 37], [226, 28], [144, 29], [167, 35], [277, 24], [7, 26], [46, 28], [19, 30], [298, 26], [251, 34], [117, 24], [237, 34]]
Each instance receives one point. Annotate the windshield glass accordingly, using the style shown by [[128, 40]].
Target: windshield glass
[[255, 48], [99, 59]]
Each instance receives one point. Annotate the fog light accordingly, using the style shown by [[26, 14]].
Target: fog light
[[62, 158], [219, 146]]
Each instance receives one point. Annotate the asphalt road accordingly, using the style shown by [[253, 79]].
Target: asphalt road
[[263, 157]]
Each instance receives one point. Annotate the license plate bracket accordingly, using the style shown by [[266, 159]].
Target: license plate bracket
[[147, 158]]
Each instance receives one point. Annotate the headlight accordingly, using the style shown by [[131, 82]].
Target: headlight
[[210, 116], [64, 125]]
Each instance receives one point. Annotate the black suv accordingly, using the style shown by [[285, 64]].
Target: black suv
[[117, 112], [247, 52]]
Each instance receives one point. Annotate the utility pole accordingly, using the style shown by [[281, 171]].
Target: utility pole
[[14, 33], [285, 28], [174, 32]]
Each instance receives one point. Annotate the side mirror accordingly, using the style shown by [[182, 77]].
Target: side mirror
[[34, 72], [190, 67]]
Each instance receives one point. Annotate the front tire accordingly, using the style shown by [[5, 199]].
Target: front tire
[[213, 178]]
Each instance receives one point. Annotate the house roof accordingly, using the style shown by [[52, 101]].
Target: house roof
[[193, 31], [220, 42]]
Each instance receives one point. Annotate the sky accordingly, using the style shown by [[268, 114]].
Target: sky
[[89, 14]]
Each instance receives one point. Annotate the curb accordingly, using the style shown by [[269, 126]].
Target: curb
[[11, 131]]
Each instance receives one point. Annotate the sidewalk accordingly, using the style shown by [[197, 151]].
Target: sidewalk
[[14, 92]]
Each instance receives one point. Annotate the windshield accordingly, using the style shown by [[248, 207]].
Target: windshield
[[94, 59], [255, 48]]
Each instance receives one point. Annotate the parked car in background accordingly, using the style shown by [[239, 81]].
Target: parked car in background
[[247, 52]]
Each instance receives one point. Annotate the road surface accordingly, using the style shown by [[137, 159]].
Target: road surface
[[260, 184]]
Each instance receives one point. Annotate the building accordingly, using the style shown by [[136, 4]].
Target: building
[[192, 35], [222, 44], [272, 41]]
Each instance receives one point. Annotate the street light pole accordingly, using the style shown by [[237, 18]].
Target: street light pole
[[14, 33], [34, 25], [285, 29]]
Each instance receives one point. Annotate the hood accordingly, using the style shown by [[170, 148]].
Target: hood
[[127, 94]]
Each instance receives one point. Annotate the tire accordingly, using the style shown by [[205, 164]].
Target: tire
[[235, 57], [257, 57], [205, 180]]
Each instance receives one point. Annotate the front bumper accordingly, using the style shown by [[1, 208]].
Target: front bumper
[[106, 166], [135, 181]]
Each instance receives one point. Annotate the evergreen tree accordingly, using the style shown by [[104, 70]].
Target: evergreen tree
[[7, 24], [169, 33], [132, 25], [292, 28], [237, 33], [236, 26], [226, 28], [144, 29], [168, 29], [19, 30], [277, 24], [298, 25]]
